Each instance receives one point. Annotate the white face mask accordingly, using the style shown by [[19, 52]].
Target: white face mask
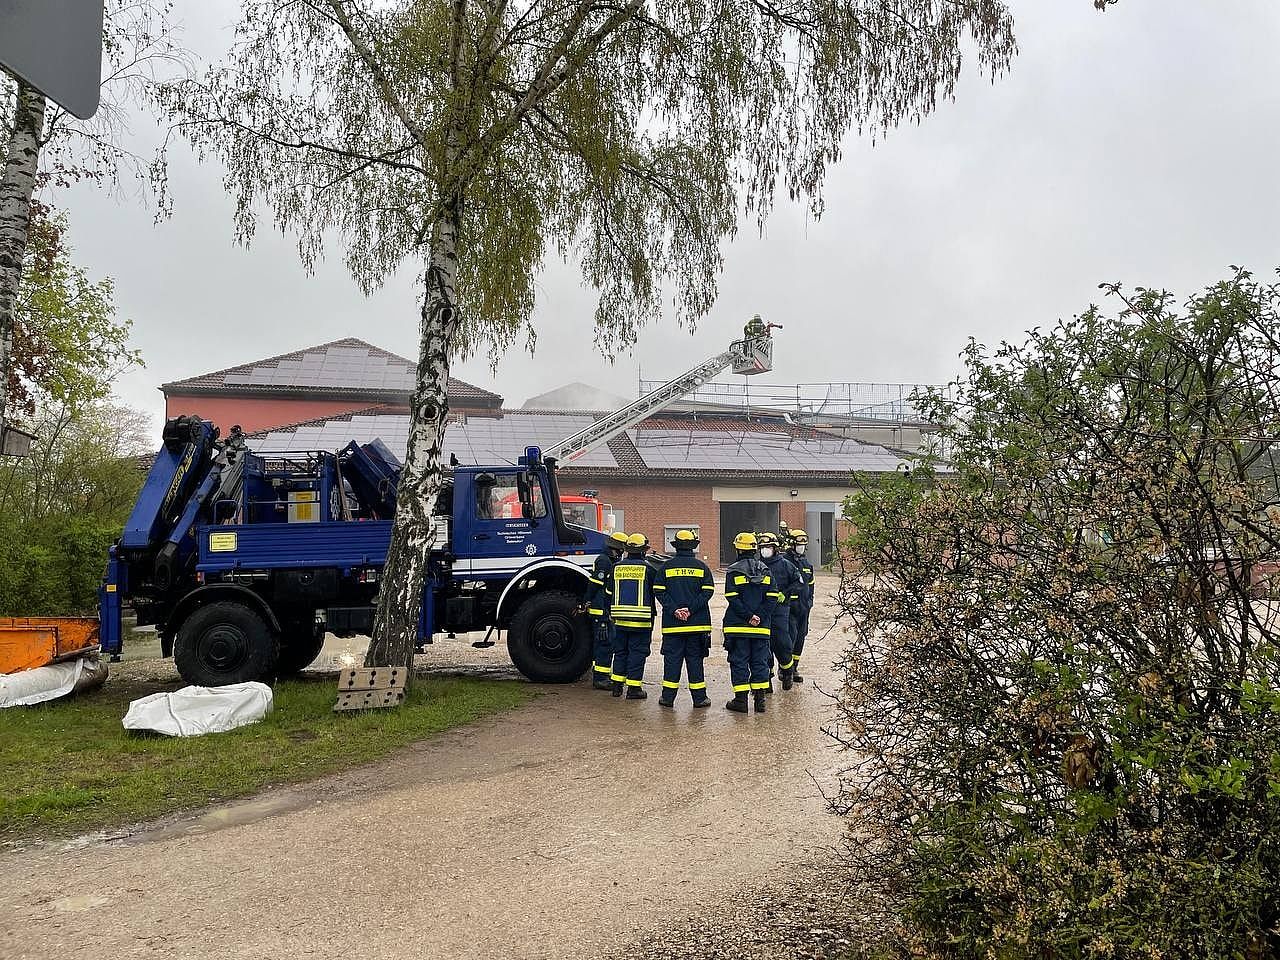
[[799, 548], [766, 552]]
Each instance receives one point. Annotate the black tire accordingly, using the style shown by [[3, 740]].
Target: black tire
[[547, 640], [298, 648], [224, 643]]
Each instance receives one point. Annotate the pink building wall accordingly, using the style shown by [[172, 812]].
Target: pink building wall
[[256, 413]]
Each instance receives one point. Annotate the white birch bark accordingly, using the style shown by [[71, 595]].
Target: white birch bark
[[21, 160], [395, 627]]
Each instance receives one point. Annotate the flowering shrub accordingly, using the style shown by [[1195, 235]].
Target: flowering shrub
[[1061, 701]]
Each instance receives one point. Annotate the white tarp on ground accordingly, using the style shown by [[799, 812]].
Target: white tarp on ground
[[28, 687], [194, 711]]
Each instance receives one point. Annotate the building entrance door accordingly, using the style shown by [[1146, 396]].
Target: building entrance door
[[737, 517], [820, 524]]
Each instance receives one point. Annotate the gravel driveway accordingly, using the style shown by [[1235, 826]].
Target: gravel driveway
[[578, 826]]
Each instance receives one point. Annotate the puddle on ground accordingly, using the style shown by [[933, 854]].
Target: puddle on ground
[[78, 903], [224, 817]]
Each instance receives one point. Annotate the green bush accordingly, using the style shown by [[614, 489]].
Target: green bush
[[1062, 696], [52, 567]]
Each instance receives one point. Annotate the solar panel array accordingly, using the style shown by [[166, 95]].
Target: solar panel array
[[486, 440], [483, 440], [758, 450], [480, 440], [333, 367]]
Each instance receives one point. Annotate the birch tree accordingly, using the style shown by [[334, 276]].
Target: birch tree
[[44, 143], [477, 138]]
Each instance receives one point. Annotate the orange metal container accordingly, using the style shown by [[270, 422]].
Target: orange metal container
[[30, 642]]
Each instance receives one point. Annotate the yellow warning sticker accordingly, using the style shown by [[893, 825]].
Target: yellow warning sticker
[[222, 542]]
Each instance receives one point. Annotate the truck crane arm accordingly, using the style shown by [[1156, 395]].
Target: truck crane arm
[[748, 356]]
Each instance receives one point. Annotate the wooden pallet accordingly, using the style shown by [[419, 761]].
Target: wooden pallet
[[370, 688]]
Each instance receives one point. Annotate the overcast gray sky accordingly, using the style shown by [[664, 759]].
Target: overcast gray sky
[[1139, 145]]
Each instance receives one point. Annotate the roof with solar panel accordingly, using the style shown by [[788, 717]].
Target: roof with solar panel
[[667, 446], [347, 368]]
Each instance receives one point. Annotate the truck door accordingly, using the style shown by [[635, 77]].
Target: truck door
[[503, 541]]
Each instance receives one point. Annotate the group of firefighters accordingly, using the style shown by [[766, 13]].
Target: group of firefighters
[[769, 588]]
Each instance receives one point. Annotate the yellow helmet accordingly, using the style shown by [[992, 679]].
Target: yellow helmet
[[767, 539], [744, 541], [616, 540], [637, 541], [798, 535], [685, 538]]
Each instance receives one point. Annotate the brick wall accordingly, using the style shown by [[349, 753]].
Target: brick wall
[[793, 513], [648, 507]]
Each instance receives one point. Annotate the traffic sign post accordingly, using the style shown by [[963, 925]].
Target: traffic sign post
[[56, 47]]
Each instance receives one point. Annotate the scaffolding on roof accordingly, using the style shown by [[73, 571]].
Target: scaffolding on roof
[[886, 403]]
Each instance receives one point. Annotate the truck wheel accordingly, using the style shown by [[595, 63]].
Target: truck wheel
[[225, 643], [547, 641], [299, 647]]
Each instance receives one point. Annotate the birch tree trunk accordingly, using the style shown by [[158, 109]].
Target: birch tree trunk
[[395, 625], [21, 160]]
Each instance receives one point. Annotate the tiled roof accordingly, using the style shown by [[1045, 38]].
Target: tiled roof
[[625, 453], [671, 447], [344, 367]]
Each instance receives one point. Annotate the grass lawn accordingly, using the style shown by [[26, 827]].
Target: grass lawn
[[68, 766]]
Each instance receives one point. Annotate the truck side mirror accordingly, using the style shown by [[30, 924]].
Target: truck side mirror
[[525, 489], [224, 510]]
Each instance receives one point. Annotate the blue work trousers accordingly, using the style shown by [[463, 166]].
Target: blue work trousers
[[681, 650], [799, 630], [630, 650], [602, 638], [748, 662], [780, 636]]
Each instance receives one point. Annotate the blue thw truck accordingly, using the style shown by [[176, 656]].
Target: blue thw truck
[[244, 559]]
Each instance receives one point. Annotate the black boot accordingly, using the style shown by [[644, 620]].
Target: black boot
[[667, 701], [705, 701], [600, 681], [759, 701], [795, 675], [785, 677], [617, 688], [636, 693], [739, 703]]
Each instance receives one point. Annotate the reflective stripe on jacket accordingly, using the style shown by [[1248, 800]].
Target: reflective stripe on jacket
[[630, 593], [597, 598], [805, 568], [748, 586], [786, 578], [685, 581]]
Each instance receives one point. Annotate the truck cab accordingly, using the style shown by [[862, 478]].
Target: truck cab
[[244, 559]]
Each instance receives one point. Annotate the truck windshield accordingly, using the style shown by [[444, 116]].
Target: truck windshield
[[580, 514], [501, 500]]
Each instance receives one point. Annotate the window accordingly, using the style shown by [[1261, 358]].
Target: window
[[669, 534], [498, 497]]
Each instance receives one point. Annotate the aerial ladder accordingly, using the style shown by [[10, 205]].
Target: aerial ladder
[[749, 356]]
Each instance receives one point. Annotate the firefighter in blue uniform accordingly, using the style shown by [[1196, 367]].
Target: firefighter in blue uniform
[[684, 587], [802, 600], [597, 604], [786, 582], [631, 609], [748, 586]]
